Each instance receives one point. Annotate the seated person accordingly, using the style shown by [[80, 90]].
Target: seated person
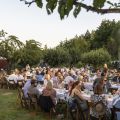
[[49, 91], [61, 83], [106, 85], [33, 89], [116, 100], [40, 77], [96, 81], [98, 101], [27, 85], [116, 106], [12, 76], [116, 79], [47, 79], [76, 90]]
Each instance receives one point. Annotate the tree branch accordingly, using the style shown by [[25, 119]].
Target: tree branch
[[94, 9], [28, 3], [87, 7]]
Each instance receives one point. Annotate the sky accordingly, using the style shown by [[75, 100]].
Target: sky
[[27, 23]]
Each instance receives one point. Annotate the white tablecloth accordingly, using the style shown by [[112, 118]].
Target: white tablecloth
[[108, 97], [89, 85]]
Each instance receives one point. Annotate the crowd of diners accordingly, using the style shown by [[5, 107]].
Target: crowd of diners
[[73, 80]]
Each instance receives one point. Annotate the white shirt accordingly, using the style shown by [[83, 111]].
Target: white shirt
[[68, 79], [20, 77], [12, 77]]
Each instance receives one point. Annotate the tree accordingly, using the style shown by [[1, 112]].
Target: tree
[[57, 57], [116, 36], [8, 46], [66, 6], [31, 53], [103, 33], [96, 57]]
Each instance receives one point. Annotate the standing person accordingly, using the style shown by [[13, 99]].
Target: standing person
[[27, 67]]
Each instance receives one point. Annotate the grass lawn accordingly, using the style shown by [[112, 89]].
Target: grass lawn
[[11, 110]]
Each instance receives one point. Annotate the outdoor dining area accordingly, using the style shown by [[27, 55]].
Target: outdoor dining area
[[67, 94]]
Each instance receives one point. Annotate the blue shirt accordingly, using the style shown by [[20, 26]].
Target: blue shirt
[[40, 77]]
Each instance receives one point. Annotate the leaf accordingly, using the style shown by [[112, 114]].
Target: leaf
[[51, 5], [110, 3], [39, 3], [62, 12], [61, 9], [98, 3], [76, 10], [69, 6]]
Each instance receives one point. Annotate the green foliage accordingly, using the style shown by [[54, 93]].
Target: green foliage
[[31, 53], [39, 3], [57, 57], [67, 53], [77, 10], [106, 36], [96, 57], [99, 3], [103, 33]]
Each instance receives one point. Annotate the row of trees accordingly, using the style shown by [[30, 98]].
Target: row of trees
[[96, 48]]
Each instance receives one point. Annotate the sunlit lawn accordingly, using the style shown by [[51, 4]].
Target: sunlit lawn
[[11, 110]]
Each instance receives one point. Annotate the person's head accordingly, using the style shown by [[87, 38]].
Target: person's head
[[104, 80], [98, 89], [49, 85], [80, 78], [76, 84], [61, 78], [59, 74], [33, 83], [29, 75], [47, 77]]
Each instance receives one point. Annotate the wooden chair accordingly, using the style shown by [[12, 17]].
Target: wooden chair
[[12, 84], [20, 83], [3, 82], [25, 102], [61, 108], [82, 110], [72, 112], [33, 101], [46, 104]]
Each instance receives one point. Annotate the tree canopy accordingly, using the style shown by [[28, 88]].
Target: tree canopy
[[66, 6]]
